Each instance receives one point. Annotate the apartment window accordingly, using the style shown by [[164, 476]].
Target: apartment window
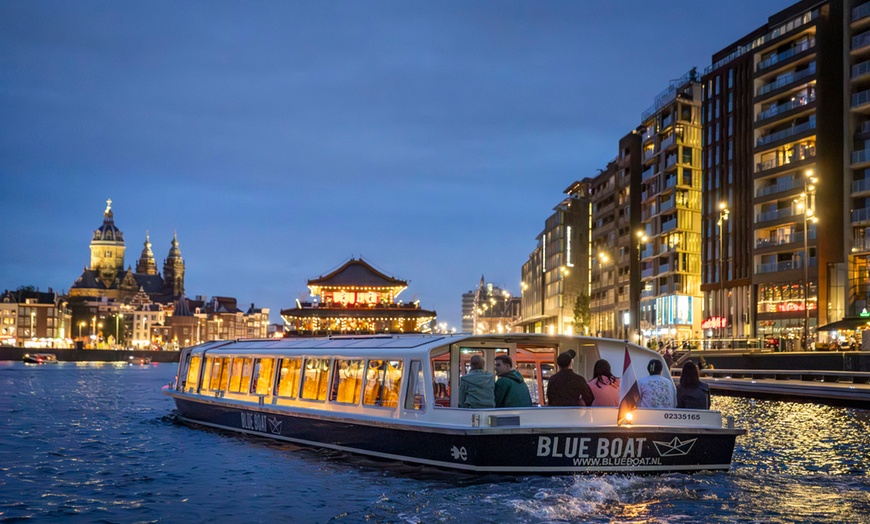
[[730, 78], [730, 102], [718, 83], [730, 125]]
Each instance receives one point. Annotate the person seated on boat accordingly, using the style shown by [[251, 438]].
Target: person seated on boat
[[511, 390], [567, 388], [477, 387], [656, 391], [692, 393], [604, 385]]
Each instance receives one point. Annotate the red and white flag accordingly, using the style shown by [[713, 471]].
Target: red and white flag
[[629, 393]]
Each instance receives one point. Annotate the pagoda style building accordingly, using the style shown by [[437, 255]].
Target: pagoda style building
[[356, 298]]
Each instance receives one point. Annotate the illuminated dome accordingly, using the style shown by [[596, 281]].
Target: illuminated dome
[[108, 232]]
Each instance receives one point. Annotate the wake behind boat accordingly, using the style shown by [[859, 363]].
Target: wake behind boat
[[390, 397]]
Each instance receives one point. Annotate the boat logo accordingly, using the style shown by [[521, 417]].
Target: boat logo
[[275, 425], [674, 448], [459, 453]]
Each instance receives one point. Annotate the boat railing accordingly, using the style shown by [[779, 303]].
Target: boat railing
[[803, 375]]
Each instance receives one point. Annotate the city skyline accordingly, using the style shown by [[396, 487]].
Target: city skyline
[[430, 140]]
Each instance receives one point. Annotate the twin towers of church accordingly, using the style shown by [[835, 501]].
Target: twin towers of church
[[106, 276]]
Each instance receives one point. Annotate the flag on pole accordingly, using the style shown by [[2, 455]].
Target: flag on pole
[[629, 393]]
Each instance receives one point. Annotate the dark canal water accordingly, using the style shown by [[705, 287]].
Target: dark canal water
[[99, 443]]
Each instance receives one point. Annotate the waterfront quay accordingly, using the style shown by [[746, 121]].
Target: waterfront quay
[[15, 354]]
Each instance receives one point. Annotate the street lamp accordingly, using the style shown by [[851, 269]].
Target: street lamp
[[642, 239], [602, 259], [805, 204], [723, 216]]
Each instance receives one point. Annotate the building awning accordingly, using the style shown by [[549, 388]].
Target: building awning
[[847, 324]]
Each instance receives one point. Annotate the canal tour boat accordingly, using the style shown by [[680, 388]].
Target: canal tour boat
[[39, 358], [396, 397]]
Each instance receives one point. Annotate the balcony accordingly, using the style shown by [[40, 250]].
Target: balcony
[[859, 70], [786, 133], [861, 12], [780, 187], [782, 108], [648, 173], [860, 41], [648, 153], [671, 160], [667, 204], [785, 55], [787, 79], [860, 216], [803, 153], [647, 273], [667, 142], [669, 225], [788, 265], [781, 240], [861, 186], [776, 214], [862, 156]]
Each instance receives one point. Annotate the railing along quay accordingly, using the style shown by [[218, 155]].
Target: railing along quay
[[844, 388]]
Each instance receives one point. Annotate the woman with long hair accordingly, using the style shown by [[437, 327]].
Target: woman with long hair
[[604, 385], [692, 393]]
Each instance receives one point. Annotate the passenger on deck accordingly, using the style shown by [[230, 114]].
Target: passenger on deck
[[692, 393], [656, 391], [604, 385], [510, 388], [567, 388], [477, 388]]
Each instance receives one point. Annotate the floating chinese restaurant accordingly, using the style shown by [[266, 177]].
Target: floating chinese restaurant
[[356, 299]]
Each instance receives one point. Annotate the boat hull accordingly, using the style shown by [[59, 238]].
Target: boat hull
[[517, 450]]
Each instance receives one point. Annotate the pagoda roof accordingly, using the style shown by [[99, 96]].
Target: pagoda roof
[[357, 273]]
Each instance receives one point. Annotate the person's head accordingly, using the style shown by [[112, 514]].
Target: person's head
[[564, 360], [476, 362], [602, 369], [702, 363], [654, 367], [689, 376], [503, 364]]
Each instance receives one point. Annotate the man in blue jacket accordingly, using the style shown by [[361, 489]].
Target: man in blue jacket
[[510, 388], [476, 387]]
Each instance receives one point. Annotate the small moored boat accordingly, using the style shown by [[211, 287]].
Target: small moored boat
[[396, 397], [39, 358]]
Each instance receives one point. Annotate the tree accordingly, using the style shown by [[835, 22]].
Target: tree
[[582, 314]]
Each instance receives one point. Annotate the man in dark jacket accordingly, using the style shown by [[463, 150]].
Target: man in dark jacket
[[566, 388], [510, 388]]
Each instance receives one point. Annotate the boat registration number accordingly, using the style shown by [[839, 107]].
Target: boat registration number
[[682, 416]]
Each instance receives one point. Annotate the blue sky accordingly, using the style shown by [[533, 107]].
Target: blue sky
[[278, 139]]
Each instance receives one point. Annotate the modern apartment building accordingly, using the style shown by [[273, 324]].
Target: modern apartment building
[[774, 204], [557, 271], [614, 255], [670, 208]]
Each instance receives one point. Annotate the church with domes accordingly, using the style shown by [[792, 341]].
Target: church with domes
[[106, 276]]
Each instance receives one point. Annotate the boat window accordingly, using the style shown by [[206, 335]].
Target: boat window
[[415, 396], [315, 378], [219, 374], [240, 378], [441, 380], [264, 369], [347, 381], [383, 380], [206, 374], [547, 371], [288, 381], [530, 376], [193, 373]]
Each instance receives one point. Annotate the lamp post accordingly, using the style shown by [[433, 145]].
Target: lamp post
[[32, 324], [602, 259], [563, 272], [804, 203], [81, 325], [723, 216], [117, 331], [642, 239]]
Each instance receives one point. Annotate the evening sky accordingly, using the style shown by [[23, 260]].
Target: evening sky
[[279, 139]]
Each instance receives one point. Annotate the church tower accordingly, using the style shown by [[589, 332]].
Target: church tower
[[173, 270], [146, 264], [107, 248]]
